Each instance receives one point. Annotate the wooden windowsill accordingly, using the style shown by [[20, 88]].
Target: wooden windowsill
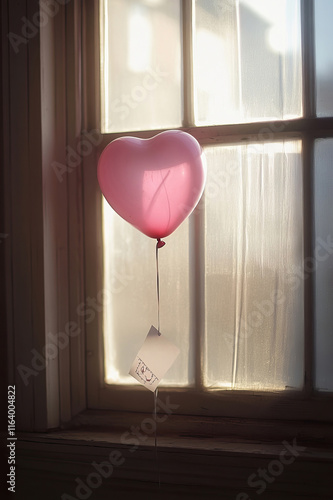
[[187, 431], [198, 458]]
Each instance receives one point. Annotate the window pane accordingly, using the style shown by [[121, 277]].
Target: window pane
[[130, 282], [254, 240], [324, 263], [140, 65], [324, 57], [247, 60]]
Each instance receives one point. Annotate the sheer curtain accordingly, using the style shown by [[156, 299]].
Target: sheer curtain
[[324, 57], [323, 263], [247, 61], [130, 278], [254, 298], [253, 307], [247, 67], [140, 64]]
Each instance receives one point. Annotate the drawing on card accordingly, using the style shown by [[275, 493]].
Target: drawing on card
[[144, 373]]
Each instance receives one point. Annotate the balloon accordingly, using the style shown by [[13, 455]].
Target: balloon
[[154, 184]]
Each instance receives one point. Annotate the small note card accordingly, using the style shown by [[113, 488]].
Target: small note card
[[153, 360]]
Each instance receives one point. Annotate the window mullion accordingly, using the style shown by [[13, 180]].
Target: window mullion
[[196, 227], [308, 58], [196, 306], [188, 23], [197, 289], [309, 111], [308, 231]]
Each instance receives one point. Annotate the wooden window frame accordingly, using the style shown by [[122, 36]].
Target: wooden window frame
[[43, 217], [304, 404], [54, 246]]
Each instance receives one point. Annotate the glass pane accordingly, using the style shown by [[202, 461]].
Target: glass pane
[[140, 65], [323, 263], [324, 57], [254, 241], [130, 283], [247, 61]]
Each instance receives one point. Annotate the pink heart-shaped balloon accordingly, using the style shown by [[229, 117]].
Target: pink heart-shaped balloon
[[154, 184]]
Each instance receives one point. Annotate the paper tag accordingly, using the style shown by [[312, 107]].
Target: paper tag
[[153, 360]]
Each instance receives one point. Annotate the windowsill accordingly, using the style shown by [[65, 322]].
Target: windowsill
[[176, 443], [196, 456], [188, 432]]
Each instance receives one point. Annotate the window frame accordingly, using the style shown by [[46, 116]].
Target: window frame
[[304, 404], [43, 216]]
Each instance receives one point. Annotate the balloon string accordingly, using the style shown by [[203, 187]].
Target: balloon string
[[158, 291], [156, 456], [159, 244]]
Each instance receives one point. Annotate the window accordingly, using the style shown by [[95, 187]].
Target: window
[[246, 280]]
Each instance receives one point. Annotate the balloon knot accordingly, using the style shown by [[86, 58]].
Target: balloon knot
[[160, 243]]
